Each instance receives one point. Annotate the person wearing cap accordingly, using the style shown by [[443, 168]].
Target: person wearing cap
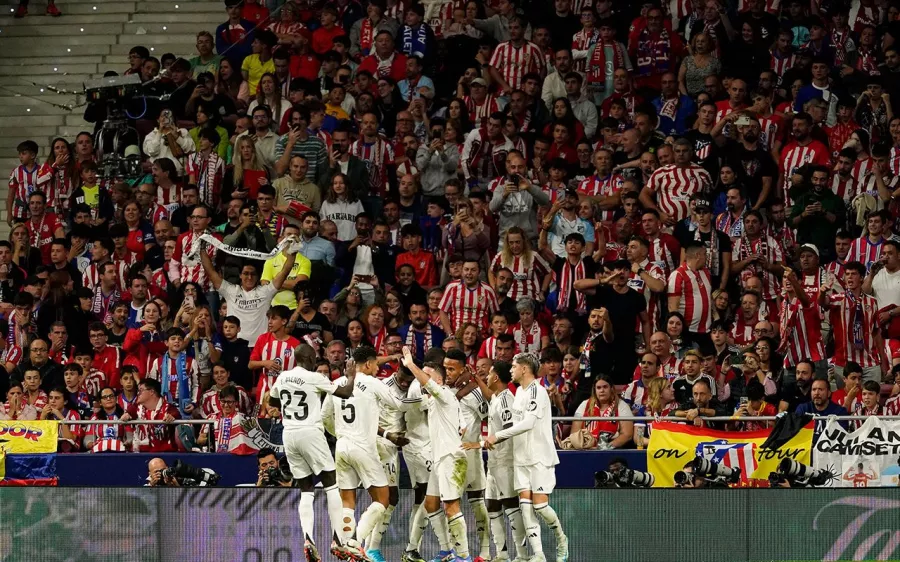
[[235, 35], [718, 244], [812, 276], [560, 221]]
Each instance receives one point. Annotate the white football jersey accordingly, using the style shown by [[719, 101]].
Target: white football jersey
[[444, 419], [474, 411], [500, 417], [299, 390], [535, 445], [416, 419], [391, 418], [356, 418]]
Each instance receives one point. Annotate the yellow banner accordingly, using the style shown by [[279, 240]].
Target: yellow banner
[[673, 445], [2, 464], [28, 436]]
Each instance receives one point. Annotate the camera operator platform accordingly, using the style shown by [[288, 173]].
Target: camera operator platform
[[114, 137]]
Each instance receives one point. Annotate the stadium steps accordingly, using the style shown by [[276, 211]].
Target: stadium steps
[[92, 36]]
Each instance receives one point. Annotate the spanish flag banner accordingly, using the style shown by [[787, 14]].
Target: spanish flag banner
[[673, 445], [28, 437]]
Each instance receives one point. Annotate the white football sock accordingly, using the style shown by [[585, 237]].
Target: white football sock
[[457, 527], [307, 514], [481, 527], [498, 531], [370, 518], [439, 524], [417, 523], [517, 526], [532, 529], [335, 511], [545, 512], [374, 542], [348, 523]]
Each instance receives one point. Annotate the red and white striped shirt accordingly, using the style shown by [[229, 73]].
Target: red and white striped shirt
[[781, 64], [157, 437], [595, 186], [527, 275], [665, 252], [836, 268], [865, 251], [801, 332], [695, 290], [210, 405], [479, 112], [582, 41], [56, 184], [270, 348], [474, 305], [892, 406], [674, 186], [845, 188], [378, 155], [638, 284], [842, 314], [669, 368], [208, 172], [769, 131], [108, 438], [768, 248], [91, 276], [185, 267], [481, 159], [22, 183], [785, 235], [40, 400], [724, 109], [861, 168], [528, 340], [94, 381], [742, 331], [515, 62], [794, 156], [191, 370], [11, 354], [488, 349], [169, 197], [231, 437]]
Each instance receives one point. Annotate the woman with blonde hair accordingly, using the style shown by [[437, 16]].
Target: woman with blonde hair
[[248, 175], [702, 62], [604, 402], [531, 273], [660, 403]]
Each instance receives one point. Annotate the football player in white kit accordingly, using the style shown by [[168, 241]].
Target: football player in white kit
[[448, 474], [296, 393], [501, 492], [535, 456], [474, 409], [391, 433], [418, 457], [356, 454]]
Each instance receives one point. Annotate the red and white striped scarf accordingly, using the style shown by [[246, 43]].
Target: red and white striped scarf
[[427, 344], [378, 339], [567, 285], [366, 30]]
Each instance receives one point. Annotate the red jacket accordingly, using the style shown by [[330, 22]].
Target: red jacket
[[398, 66], [141, 350], [109, 360]]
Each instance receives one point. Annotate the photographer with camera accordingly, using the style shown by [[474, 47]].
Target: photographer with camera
[[160, 475], [271, 474]]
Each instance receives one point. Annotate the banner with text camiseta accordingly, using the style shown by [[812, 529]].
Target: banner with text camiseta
[[28, 437], [864, 457], [673, 445]]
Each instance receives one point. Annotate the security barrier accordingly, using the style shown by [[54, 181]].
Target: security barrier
[[261, 525]]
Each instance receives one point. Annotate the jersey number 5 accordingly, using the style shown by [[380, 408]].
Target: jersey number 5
[[299, 410], [349, 411]]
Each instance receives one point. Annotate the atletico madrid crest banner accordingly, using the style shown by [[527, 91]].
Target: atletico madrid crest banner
[[673, 445]]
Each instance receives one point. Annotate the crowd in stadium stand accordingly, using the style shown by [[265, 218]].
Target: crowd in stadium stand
[[684, 210]]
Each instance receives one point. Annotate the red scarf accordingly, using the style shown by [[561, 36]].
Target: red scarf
[[597, 64], [592, 410], [365, 35]]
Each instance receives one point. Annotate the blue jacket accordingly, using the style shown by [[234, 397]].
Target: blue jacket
[[241, 50], [678, 125], [830, 409]]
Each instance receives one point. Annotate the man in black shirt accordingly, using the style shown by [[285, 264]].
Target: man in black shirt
[[798, 392], [234, 352], [718, 245], [706, 151], [754, 164], [307, 321], [623, 305]]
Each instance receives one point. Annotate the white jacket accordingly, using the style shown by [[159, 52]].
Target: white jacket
[[155, 147]]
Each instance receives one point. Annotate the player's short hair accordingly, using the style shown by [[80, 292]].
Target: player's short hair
[[364, 354], [503, 370]]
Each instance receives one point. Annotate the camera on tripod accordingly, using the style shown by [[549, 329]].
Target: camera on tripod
[[623, 478], [119, 156]]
